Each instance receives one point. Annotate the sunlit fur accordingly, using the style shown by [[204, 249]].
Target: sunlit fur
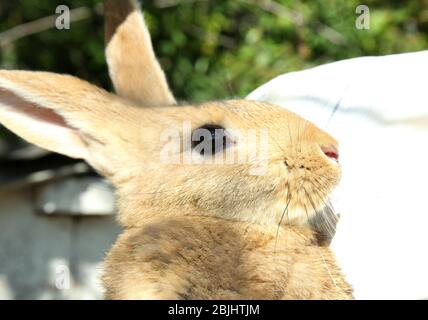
[[133, 68], [198, 230], [297, 169], [207, 258]]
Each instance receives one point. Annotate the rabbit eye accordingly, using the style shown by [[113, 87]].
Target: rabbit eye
[[209, 139]]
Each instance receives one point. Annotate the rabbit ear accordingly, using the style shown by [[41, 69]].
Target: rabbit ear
[[59, 113], [135, 72]]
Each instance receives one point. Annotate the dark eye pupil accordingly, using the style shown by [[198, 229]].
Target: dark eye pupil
[[217, 140]]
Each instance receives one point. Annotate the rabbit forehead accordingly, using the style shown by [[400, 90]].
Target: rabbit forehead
[[282, 125], [236, 113]]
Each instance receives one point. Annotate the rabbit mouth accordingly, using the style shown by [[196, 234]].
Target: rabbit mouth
[[304, 196]]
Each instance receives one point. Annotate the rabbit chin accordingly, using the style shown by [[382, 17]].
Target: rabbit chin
[[275, 214]]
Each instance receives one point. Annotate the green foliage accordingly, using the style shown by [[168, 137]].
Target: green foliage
[[213, 49]]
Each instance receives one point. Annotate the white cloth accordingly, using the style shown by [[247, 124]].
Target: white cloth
[[377, 108]]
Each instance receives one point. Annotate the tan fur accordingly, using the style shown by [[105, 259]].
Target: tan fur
[[208, 258], [192, 230], [134, 70]]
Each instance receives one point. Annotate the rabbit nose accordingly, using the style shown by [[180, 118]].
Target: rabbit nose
[[331, 151]]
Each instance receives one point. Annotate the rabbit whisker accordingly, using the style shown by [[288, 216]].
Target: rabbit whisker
[[326, 217], [280, 221]]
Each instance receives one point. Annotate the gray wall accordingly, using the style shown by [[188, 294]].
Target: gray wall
[[50, 256]]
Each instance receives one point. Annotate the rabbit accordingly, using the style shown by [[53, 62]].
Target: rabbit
[[191, 229]]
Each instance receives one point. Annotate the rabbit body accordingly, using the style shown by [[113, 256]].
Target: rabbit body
[[211, 258]]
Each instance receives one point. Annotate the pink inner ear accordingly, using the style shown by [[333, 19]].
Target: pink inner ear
[[31, 109]]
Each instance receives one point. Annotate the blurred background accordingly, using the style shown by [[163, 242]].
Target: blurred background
[[56, 215]]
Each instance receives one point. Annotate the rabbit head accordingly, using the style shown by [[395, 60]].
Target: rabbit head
[[235, 159]]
